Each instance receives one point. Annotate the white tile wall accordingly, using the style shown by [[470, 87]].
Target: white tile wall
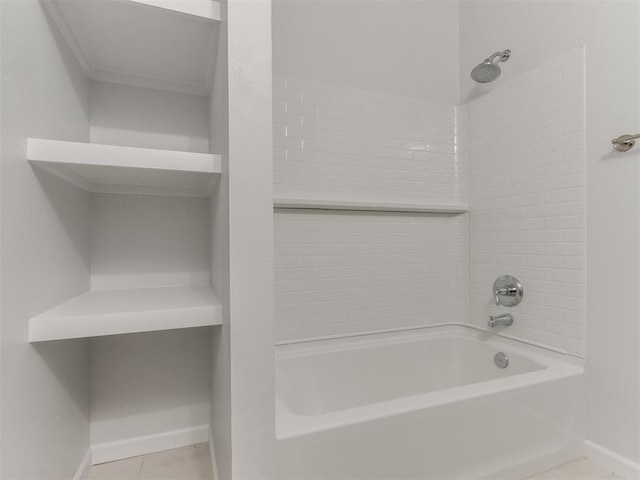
[[527, 200], [342, 143], [346, 272], [341, 272], [521, 147]]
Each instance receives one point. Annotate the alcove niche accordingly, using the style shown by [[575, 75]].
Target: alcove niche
[[144, 182]]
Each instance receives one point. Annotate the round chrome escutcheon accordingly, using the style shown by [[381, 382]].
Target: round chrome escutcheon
[[501, 359]]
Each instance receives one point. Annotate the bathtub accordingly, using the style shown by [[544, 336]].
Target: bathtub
[[427, 403]]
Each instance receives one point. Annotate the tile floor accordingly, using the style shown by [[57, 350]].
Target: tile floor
[[186, 463], [194, 463], [581, 469]]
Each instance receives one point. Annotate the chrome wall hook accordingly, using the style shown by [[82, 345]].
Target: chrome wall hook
[[624, 143]]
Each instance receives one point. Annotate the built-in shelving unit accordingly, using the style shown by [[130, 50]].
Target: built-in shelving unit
[[322, 204], [164, 44], [111, 312], [129, 264], [116, 169]]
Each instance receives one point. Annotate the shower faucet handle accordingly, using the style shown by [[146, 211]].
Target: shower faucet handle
[[508, 291]]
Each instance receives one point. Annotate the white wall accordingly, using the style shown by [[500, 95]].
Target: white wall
[[527, 201], [156, 383], [251, 239], [535, 32], [144, 117], [45, 251], [557, 27], [242, 403], [402, 47], [220, 439], [141, 241], [149, 385]]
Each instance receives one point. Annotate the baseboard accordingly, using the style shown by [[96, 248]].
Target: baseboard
[[539, 462], [82, 473], [612, 461], [212, 451], [107, 452]]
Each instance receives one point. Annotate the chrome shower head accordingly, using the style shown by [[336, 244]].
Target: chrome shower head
[[488, 71]]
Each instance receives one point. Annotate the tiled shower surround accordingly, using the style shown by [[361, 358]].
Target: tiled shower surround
[[521, 146], [342, 143], [344, 272], [527, 201]]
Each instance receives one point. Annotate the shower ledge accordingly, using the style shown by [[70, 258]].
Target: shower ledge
[[115, 169], [371, 206], [112, 312]]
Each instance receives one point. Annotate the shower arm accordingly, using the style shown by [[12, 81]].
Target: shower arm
[[503, 56]]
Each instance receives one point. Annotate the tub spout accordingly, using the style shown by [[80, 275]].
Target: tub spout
[[503, 320]]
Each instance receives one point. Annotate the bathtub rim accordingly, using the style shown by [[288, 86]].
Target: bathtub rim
[[289, 425], [499, 333]]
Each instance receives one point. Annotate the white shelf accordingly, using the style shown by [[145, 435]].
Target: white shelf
[[115, 169], [164, 44], [205, 9], [318, 204], [112, 312]]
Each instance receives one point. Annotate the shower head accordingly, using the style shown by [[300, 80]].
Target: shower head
[[488, 71]]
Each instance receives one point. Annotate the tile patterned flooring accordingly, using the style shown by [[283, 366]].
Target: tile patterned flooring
[[194, 463], [186, 463], [581, 469]]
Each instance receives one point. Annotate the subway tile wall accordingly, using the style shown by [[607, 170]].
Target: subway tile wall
[[527, 200], [515, 154], [344, 143], [347, 272]]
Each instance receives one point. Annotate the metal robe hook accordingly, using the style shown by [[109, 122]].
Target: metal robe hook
[[624, 143]]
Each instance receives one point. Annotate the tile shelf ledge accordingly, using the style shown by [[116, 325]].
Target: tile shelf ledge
[[368, 206]]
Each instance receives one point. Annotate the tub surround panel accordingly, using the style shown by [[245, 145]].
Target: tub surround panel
[[527, 201], [334, 142], [521, 144], [346, 272]]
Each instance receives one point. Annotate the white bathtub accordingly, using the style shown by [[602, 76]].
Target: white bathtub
[[425, 404]]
